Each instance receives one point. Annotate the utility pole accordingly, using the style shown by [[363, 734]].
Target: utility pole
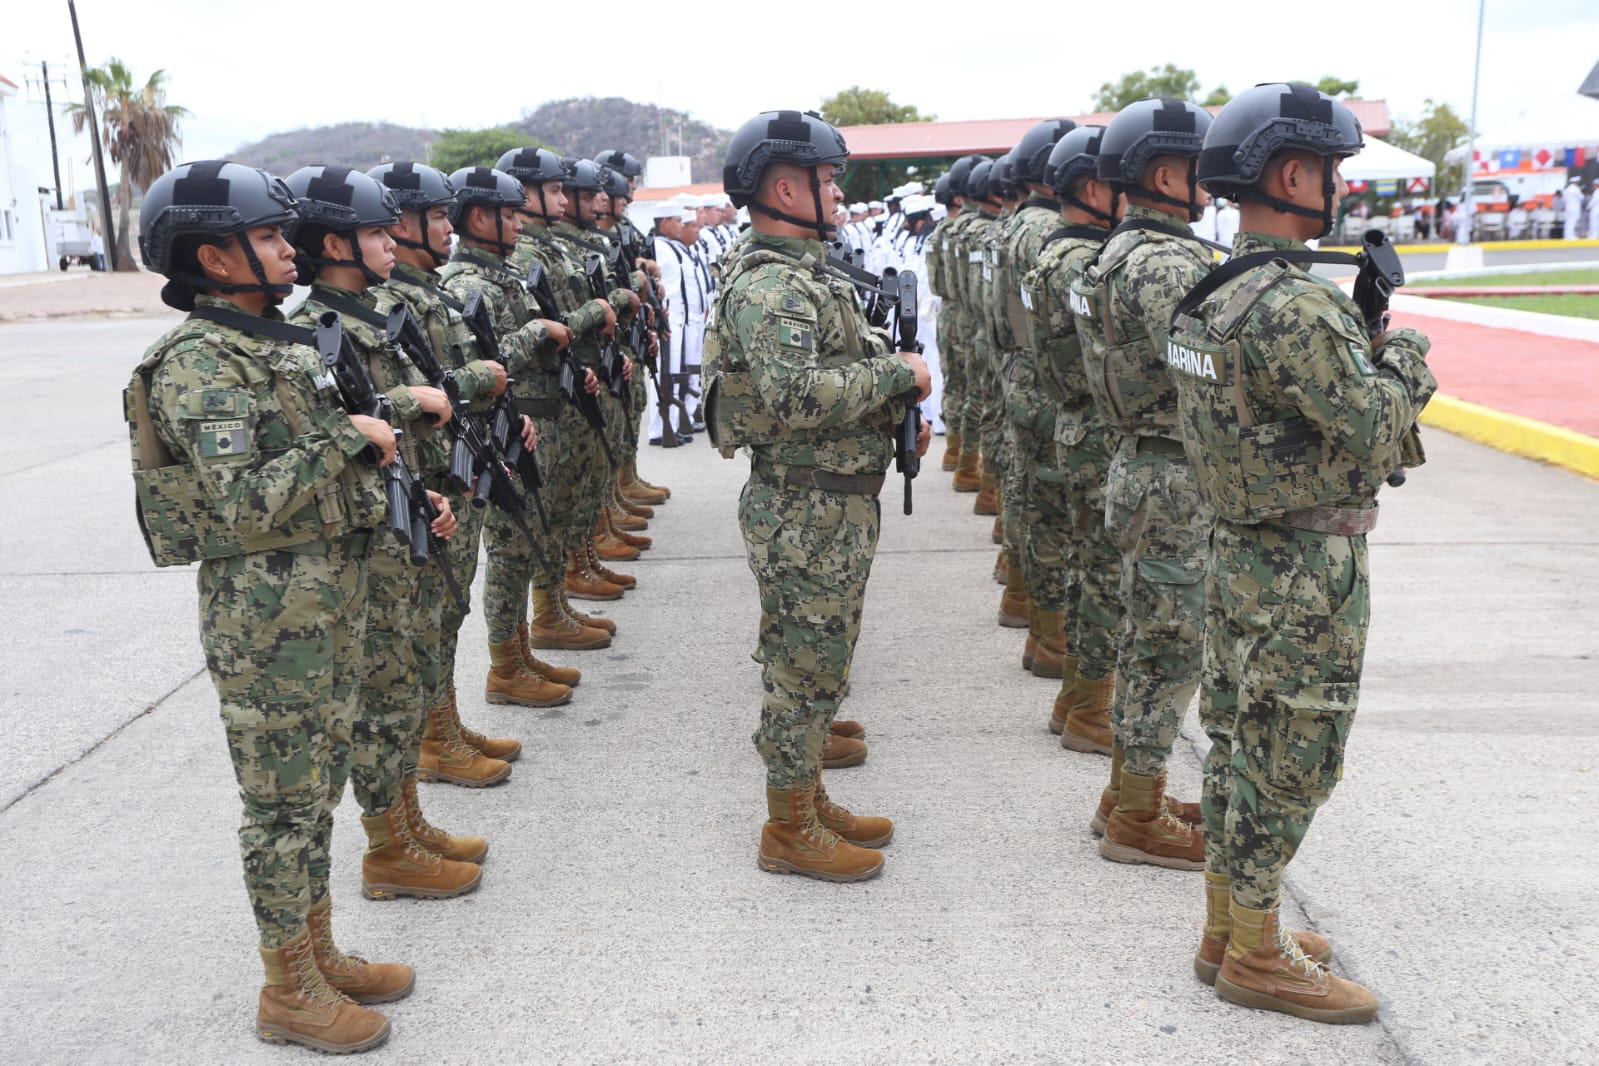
[[1468, 207], [50, 118], [94, 136]]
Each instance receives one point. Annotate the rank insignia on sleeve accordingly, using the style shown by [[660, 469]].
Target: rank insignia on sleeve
[[793, 304], [794, 335]]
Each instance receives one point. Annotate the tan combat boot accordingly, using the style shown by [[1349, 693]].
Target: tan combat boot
[[794, 841], [554, 629], [396, 865], [583, 583], [644, 490], [1065, 697], [1264, 968], [606, 546], [446, 756], [583, 618], [631, 504], [505, 749], [1112, 794], [1001, 567], [987, 502], [1049, 654], [569, 676], [597, 565], [436, 840], [622, 520], [952, 451], [298, 1006], [1087, 727], [1140, 831], [511, 680], [968, 477], [362, 981], [840, 752], [847, 728], [861, 830], [632, 540], [1014, 603], [1219, 926], [997, 532]]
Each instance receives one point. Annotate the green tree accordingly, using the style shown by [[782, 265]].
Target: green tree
[[1166, 80], [1217, 97], [140, 132], [869, 107], [1337, 86], [1437, 131], [455, 149]]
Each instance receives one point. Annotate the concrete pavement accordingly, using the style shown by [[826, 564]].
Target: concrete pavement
[[622, 917]]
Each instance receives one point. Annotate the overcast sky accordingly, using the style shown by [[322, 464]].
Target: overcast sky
[[248, 69]]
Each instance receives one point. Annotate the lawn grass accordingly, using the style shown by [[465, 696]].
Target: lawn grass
[[1550, 277], [1572, 306]]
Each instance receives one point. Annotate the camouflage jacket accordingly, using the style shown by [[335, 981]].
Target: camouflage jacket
[[391, 372], [574, 246], [936, 255], [793, 369], [439, 315], [977, 270], [240, 444], [1124, 303], [526, 348], [1028, 405], [952, 267], [1053, 329], [1284, 404]]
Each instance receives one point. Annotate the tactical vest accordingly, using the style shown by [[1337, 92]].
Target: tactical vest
[[1053, 329], [180, 523], [1126, 368], [1250, 470], [735, 415]]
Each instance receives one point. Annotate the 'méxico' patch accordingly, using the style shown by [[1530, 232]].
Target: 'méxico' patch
[[794, 335], [219, 440]]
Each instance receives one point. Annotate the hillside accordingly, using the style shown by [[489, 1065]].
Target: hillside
[[586, 125], [353, 144]]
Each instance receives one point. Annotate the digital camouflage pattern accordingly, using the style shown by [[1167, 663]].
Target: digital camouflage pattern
[[1092, 599], [955, 338], [954, 374], [1287, 608], [984, 413], [530, 360], [1123, 303], [810, 387], [285, 677]]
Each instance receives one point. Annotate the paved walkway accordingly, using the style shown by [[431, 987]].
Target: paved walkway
[[622, 918]]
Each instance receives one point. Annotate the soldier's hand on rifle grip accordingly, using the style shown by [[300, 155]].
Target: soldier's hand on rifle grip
[[591, 382], [559, 333], [379, 433], [500, 376], [445, 525], [924, 437], [530, 435], [627, 369], [609, 329], [633, 304], [924, 377], [434, 403]]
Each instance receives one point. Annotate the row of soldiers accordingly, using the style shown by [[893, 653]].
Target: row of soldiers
[[469, 360], [1182, 460]]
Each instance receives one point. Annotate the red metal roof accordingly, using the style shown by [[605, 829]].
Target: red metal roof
[[914, 140], [666, 192]]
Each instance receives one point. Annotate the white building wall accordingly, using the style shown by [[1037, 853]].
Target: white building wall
[[22, 235]]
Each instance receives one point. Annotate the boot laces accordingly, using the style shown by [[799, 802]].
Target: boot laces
[[310, 982], [416, 849], [451, 733], [1293, 953], [336, 959]]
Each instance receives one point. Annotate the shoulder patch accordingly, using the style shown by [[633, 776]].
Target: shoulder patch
[[223, 439], [796, 335], [793, 304]]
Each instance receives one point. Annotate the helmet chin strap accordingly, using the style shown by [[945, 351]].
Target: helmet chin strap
[[423, 245], [372, 277], [1190, 206], [179, 290], [824, 230], [1329, 191]]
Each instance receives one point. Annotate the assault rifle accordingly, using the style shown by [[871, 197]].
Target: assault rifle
[[907, 436], [411, 511], [569, 378], [612, 361], [479, 463], [1381, 273]]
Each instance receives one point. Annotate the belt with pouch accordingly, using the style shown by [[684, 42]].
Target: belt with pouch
[[357, 544], [540, 408], [1339, 521], [811, 477]]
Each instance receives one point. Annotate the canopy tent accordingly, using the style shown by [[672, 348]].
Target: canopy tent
[[1540, 137], [1381, 161], [1590, 86]]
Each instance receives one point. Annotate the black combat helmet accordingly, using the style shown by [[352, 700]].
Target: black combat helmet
[[941, 193], [804, 139], [1273, 117], [337, 200], [618, 160], [978, 182], [614, 182], [1001, 183], [1146, 129], [211, 199], [581, 176], [417, 187], [533, 167], [1031, 153], [959, 171], [1076, 155], [490, 188]]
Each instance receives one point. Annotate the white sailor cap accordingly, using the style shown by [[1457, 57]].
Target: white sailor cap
[[857, 209], [722, 199], [876, 205], [916, 203], [688, 214], [910, 188], [665, 209]]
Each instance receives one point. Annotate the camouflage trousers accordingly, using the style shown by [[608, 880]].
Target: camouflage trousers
[[1157, 521], [403, 614], [1041, 517], [1093, 611], [1282, 681], [811, 552], [282, 633], [985, 410], [952, 362], [513, 564], [594, 472], [462, 557]]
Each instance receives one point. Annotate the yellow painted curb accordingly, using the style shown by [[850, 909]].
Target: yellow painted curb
[[1514, 434], [1442, 248]]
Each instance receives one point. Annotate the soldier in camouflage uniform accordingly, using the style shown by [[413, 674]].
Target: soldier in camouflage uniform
[[1035, 508], [448, 751], [982, 414], [950, 365], [347, 252], [1293, 414], [245, 462], [958, 410], [485, 216], [794, 372], [1092, 611], [1123, 303]]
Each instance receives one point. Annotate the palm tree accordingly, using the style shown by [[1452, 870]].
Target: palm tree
[[140, 131]]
